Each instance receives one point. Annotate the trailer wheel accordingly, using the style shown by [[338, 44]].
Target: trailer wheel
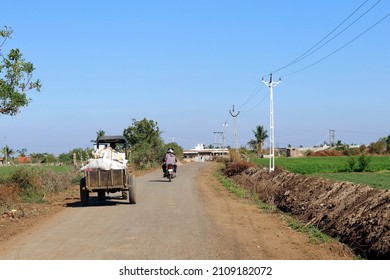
[[132, 190], [84, 194]]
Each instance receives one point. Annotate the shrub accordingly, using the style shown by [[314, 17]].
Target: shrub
[[364, 163], [8, 196], [351, 162], [234, 168], [31, 185]]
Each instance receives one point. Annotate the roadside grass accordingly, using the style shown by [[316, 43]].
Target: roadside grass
[[33, 184], [377, 174], [314, 234]]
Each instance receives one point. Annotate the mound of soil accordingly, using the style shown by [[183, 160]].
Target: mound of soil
[[357, 215]]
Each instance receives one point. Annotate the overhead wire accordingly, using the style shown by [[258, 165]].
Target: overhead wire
[[255, 91], [257, 104], [311, 51], [338, 49], [331, 39]]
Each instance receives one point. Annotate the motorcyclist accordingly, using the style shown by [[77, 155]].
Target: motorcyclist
[[169, 158]]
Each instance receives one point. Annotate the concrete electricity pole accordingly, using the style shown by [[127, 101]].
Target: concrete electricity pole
[[234, 126], [271, 85], [225, 124]]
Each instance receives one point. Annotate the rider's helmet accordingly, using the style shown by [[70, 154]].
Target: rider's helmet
[[170, 150]]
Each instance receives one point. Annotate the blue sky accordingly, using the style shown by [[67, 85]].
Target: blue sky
[[184, 64]]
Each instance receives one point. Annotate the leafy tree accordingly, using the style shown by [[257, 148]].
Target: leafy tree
[[43, 158], [65, 158], [378, 147], [15, 78], [387, 141], [146, 143], [260, 136], [22, 152]]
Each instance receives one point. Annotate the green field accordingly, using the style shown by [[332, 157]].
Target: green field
[[380, 180], [5, 170], [377, 174], [310, 165]]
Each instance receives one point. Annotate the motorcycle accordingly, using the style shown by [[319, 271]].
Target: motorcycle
[[169, 172]]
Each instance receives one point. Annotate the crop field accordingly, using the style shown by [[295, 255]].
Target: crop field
[[5, 170], [377, 174], [380, 180]]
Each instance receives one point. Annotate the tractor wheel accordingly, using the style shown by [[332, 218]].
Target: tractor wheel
[[84, 193], [132, 190]]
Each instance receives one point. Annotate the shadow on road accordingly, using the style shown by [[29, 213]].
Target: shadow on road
[[95, 202], [159, 181]]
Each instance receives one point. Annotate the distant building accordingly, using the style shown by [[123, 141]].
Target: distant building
[[21, 159], [199, 153]]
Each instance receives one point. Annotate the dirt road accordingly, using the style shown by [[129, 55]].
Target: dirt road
[[193, 217]]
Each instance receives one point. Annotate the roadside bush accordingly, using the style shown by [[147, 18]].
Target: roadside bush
[[53, 182], [31, 185], [234, 156], [235, 168], [8, 196]]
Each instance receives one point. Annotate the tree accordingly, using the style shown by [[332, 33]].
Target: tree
[[146, 143], [15, 78], [98, 134], [7, 152], [22, 152], [260, 136], [43, 158], [378, 147], [387, 141]]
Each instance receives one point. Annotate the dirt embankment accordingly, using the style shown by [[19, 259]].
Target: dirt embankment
[[357, 215]]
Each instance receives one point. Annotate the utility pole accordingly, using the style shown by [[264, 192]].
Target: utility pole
[[271, 85], [217, 137], [332, 137], [225, 124], [234, 126]]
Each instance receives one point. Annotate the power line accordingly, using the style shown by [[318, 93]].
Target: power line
[[310, 52], [255, 91], [343, 46], [257, 104]]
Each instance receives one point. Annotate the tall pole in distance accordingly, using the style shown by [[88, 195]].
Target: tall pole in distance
[[271, 85], [234, 127], [5, 151], [225, 124]]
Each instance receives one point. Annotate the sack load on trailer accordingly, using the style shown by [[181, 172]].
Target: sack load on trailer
[[107, 172]]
